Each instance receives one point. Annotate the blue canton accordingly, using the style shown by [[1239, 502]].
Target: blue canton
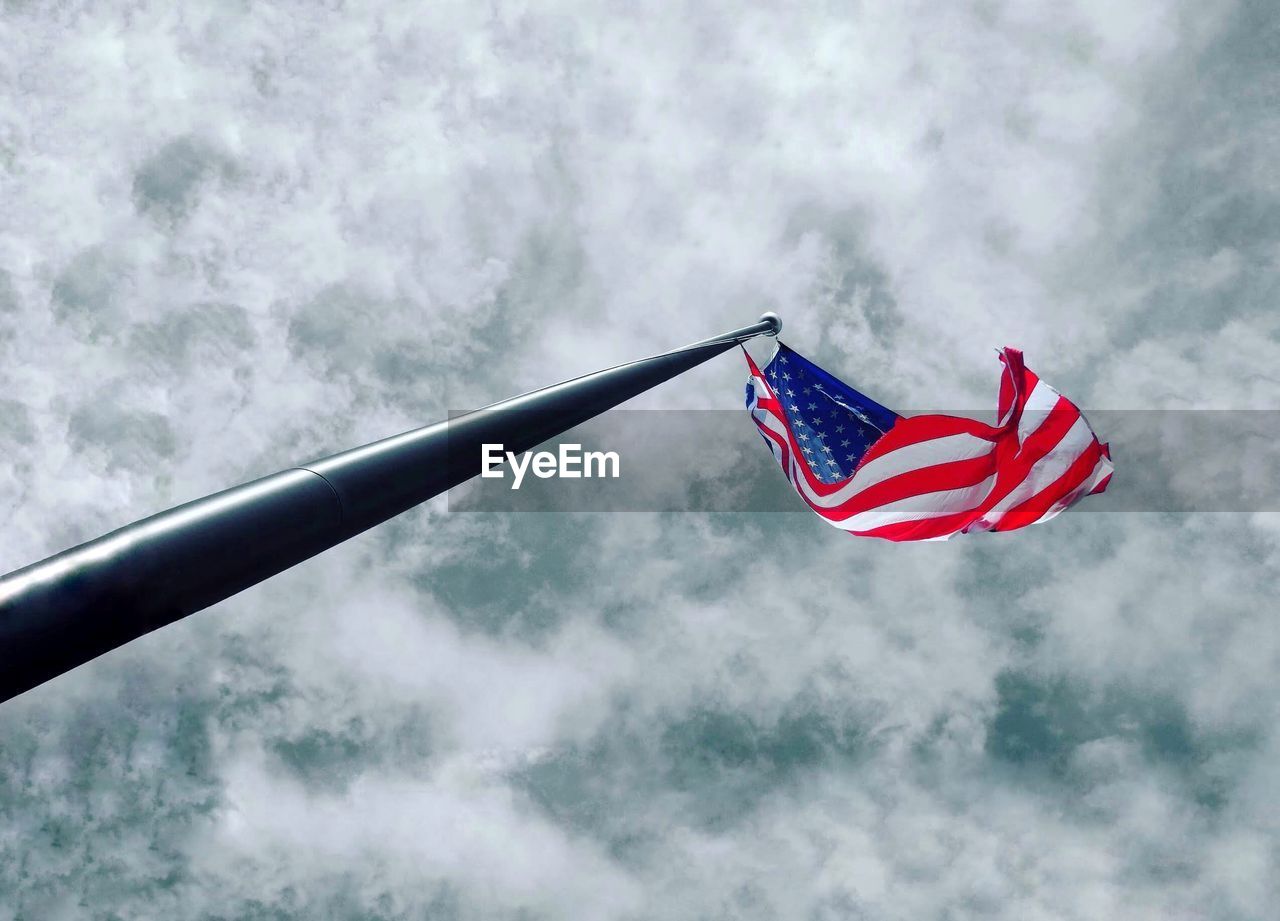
[[833, 423]]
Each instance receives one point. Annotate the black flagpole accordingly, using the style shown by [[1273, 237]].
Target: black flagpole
[[62, 612]]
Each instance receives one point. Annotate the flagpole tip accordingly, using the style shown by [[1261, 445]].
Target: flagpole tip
[[774, 321]]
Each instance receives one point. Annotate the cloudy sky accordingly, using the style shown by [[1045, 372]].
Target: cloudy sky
[[240, 236]]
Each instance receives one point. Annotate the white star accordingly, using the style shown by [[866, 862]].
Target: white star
[[845, 443], [813, 405]]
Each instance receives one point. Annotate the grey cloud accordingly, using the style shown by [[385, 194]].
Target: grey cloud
[[8, 296], [518, 582], [86, 293], [248, 236], [140, 440], [203, 333], [1045, 721], [168, 183], [15, 422], [710, 768]]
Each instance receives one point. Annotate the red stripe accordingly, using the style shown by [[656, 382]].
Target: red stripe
[[1008, 387], [1052, 429], [1034, 508], [923, 529], [778, 440], [1014, 463], [1016, 384], [937, 478], [916, 429]]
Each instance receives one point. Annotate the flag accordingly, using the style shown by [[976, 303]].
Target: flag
[[874, 473]]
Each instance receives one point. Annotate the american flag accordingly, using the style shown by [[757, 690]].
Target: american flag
[[871, 472]]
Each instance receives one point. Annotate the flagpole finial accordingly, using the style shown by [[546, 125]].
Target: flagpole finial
[[773, 320]]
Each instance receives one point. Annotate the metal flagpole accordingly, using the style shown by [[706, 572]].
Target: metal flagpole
[[62, 612]]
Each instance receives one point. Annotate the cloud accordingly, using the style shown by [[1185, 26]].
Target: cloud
[[236, 239]]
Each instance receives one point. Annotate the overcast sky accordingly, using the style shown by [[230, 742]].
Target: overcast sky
[[239, 236]]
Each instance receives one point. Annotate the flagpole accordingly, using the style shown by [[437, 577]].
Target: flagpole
[[74, 606]]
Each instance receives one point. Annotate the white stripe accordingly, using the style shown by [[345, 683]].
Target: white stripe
[[911, 508], [765, 419], [1104, 469], [961, 446], [1043, 399], [1100, 470], [922, 506], [1047, 470], [1013, 404]]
